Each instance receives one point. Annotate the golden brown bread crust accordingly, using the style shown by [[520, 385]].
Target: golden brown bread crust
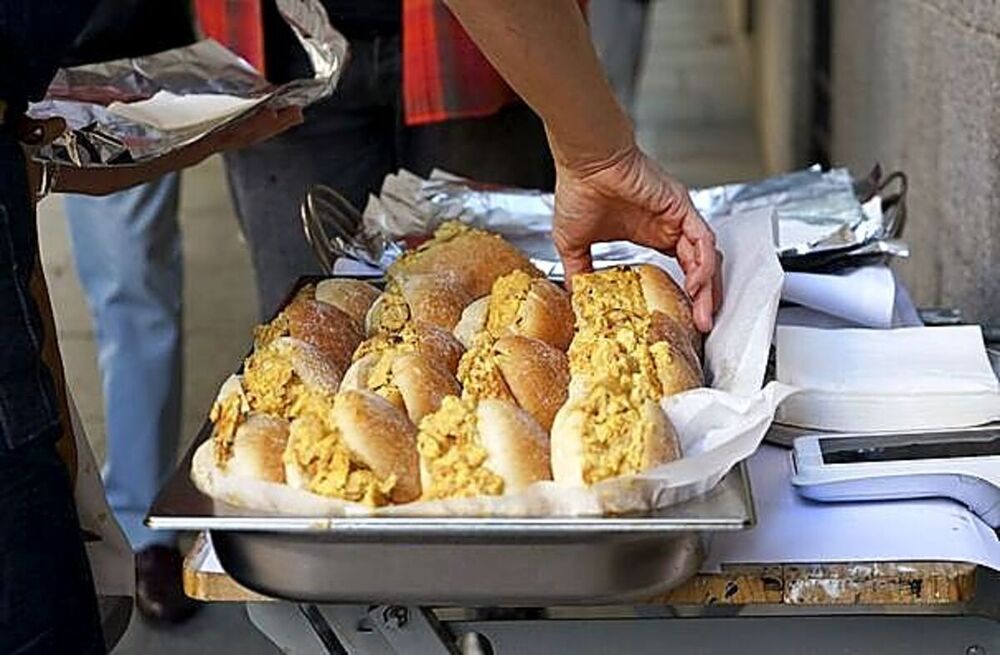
[[331, 331], [547, 315], [431, 341], [258, 447], [382, 437], [664, 295], [423, 384], [517, 447], [434, 298], [454, 249], [353, 297], [536, 373], [678, 367]]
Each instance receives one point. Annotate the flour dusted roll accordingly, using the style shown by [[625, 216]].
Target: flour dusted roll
[[604, 434], [411, 381], [525, 371], [257, 449], [434, 343], [434, 298], [362, 450], [330, 330], [662, 294], [289, 377], [475, 257], [472, 448], [531, 307], [353, 297]]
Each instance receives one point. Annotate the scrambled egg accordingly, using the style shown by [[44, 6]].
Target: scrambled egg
[[479, 373], [380, 380], [406, 340], [392, 312], [615, 431], [227, 415], [273, 387], [506, 302], [454, 458], [332, 470]]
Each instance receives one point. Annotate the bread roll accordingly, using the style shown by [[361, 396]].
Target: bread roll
[[605, 433], [663, 294], [477, 258], [289, 377], [490, 447], [331, 331], [228, 412], [257, 449], [532, 307], [434, 298], [362, 450], [473, 321], [353, 297], [411, 381], [434, 343]]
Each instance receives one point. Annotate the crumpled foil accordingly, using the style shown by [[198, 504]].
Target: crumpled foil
[[95, 137], [816, 211]]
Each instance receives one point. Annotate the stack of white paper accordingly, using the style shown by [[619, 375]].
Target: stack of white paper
[[870, 380]]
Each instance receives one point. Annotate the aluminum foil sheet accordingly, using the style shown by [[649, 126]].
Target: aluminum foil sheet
[[98, 137], [816, 211]]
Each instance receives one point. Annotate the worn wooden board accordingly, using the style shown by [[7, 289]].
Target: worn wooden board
[[872, 583]]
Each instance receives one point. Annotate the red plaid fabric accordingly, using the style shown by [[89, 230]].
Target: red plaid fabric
[[445, 75]]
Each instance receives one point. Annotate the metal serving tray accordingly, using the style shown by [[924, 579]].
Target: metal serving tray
[[456, 561]]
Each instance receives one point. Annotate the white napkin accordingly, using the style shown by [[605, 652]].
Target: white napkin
[[869, 380], [166, 111]]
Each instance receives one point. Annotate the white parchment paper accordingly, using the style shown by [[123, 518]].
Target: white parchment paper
[[718, 426]]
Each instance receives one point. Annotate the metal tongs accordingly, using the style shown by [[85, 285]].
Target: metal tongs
[[335, 228]]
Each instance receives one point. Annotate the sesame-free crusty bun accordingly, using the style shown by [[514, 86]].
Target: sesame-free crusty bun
[[473, 321], [662, 294], [472, 448], [288, 378], [532, 307], [604, 433], [258, 447], [476, 257], [411, 381], [353, 297], [434, 298], [330, 330], [362, 450], [434, 343]]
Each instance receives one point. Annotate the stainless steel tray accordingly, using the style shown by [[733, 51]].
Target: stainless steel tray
[[449, 560]]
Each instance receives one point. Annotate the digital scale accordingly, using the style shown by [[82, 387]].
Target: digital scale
[[963, 465]]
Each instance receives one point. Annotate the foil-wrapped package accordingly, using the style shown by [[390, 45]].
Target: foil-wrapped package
[[97, 135]]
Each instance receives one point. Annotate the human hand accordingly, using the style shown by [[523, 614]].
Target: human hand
[[261, 125], [632, 198]]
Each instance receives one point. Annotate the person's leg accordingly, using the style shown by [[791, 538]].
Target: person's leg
[[47, 601], [345, 143], [128, 255], [508, 147], [618, 29]]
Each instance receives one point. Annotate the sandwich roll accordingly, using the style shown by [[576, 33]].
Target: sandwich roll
[[604, 433], [532, 307], [434, 298], [411, 381], [288, 378], [228, 412], [475, 257], [664, 295], [258, 447], [472, 448], [325, 327], [362, 450], [432, 342], [353, 297]]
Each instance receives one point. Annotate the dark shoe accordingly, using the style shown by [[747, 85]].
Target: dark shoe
[[159, 589]]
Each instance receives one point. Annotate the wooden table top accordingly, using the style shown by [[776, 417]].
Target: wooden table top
[[857, 583]]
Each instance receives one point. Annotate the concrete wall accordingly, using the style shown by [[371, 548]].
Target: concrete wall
[[916, 85], [782, 64]]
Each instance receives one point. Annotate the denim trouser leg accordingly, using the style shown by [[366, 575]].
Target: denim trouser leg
[[128, 256]]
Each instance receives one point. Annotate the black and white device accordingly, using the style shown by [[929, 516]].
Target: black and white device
[[960, 464]]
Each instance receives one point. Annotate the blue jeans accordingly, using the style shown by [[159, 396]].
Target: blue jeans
[[128, 256]]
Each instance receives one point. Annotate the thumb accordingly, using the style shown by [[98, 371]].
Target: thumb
[[575, 261]]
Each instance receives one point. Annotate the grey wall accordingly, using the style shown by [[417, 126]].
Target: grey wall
[[916, 84]]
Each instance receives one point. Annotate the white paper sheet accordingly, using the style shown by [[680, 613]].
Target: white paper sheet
[[906, 379], [791, 529], [168, 111], [863, 296]]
